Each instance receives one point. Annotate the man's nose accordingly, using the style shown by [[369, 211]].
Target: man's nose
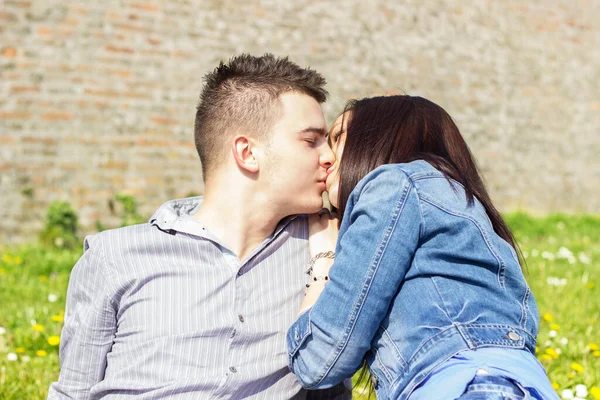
[[327, 157]]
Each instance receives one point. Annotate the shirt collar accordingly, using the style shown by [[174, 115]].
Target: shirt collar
[[174, 215]]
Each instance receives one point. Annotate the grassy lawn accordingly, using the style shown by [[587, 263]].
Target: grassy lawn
[[563, 269]]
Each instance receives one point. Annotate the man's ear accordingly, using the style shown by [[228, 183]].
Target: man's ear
[[244, 153]]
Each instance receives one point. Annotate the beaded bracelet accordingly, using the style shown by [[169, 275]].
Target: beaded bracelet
[[311, 264]]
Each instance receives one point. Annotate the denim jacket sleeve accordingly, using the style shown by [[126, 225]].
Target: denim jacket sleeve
[[378, 238]]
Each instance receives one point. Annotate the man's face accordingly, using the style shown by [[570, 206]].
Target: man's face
[[298, 156]]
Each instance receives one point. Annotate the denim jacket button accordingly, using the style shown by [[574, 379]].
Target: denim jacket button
[[296, 335], [374, 381], [514, 336]]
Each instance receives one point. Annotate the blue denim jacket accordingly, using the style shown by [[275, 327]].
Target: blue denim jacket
[[418, 276]]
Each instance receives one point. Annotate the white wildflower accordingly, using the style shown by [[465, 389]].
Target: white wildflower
[[12, 357], [584, 258], [546, 255], [564, 253], [548, 343], [25, 359], [567, 394], [554, 281], [564, 341], [535, 253], [52, 298], [552, 333], [2, 331], [581, 391]]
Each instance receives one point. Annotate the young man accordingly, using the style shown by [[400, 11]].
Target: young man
[[196, 303]]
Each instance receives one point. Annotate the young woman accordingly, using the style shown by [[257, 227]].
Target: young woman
[[425, 283]]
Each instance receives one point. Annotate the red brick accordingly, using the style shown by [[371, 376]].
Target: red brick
[[21, 4], [120, 72], [14, 115], [113, 15], [140, 141], [134, 28], [114, 93], [70, 166], [42, 30], [23, 89], [7, 139], [79, 10], [5, 16], [145, 6], [57, 116], [154, 41], [48, 141], [9, 52], [65, 31], [114, 164], [163, 120], [113, 48], [27, 64]]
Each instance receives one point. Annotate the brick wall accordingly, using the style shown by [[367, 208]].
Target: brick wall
[[98, 98]]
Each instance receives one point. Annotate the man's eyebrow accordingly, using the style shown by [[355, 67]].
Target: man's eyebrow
[[318, 131]]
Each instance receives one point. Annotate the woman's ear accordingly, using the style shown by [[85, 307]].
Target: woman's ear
[[244, 153]]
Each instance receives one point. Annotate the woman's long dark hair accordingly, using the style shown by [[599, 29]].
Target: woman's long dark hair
[[400, 129]]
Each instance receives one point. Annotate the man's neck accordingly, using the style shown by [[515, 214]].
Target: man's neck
[[242, 221]]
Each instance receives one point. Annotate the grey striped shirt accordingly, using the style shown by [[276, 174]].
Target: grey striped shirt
[[164, 311]]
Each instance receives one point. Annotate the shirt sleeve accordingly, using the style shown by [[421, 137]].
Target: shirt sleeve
[[89, 328], [378, 239]]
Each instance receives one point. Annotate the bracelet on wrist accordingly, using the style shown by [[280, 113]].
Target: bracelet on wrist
[[318, 278], [313, 260]]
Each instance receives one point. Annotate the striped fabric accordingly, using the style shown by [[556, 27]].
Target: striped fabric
[[164, 311]]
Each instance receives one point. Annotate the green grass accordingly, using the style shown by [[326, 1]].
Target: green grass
[[563, 268]]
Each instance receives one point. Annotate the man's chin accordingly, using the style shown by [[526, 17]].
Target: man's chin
[[313, 208]]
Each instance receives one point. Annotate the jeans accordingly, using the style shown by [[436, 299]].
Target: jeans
[[489, 387]]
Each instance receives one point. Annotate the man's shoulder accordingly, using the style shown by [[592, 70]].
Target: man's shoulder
[[119, 238]]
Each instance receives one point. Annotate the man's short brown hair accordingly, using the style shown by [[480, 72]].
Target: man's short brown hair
[[243, 96]]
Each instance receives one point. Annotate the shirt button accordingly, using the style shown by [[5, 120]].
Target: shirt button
[[514, 336], [241, 317], [233, 369], [233, 332]]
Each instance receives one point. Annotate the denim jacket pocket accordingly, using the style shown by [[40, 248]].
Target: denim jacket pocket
[[298, 333]]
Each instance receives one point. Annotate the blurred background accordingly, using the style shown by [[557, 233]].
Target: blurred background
[[98, 98]]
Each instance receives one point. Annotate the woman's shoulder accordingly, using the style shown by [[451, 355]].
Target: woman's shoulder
[[398, 173]]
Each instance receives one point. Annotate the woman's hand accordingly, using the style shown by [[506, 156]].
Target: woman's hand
[[323, 232]]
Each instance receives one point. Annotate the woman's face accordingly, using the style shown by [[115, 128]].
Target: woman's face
[[337, 139]]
